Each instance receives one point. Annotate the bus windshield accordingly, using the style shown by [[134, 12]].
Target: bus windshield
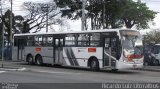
[[132, 42]]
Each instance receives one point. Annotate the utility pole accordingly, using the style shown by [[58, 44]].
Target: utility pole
[[2, 35], [104, 11], [83, 14], [11, 28], [46, 17]]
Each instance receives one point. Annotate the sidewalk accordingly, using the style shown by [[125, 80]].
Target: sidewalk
[[152, 68], [9, 65]]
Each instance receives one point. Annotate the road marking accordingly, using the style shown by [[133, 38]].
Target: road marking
[[16, 69], [54, 72], [22, 69], [2, 71]]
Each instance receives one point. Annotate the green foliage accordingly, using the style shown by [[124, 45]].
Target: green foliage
[[152, 37], [17, 25], [118, 13], [7, 19], [137, 13], [73, 5]]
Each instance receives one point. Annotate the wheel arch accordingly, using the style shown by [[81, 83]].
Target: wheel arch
[[92, 58], [29, 55], [37, 55]]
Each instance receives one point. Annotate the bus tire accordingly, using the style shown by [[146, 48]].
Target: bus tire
[[94, 64], [114, 70], [30, 59], [39, 60]]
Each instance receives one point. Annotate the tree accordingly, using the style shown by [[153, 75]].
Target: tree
[[114, 13], [72, 9], [1, 34], [17, 25], [152, 37], [6, 20], [137, 13], [36, 19], [20, 24]]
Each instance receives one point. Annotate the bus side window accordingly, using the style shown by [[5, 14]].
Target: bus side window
[[50, 40], [113, 43], [70, 40], [15, 42], [95, 39], [44, 41], [113, 46], [61, 43], [107, 43], [38, 40], [30, 41], [57, 42], [83, 40]]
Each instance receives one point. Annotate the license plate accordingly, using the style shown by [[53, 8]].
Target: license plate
[[134, 65], [136, 60]]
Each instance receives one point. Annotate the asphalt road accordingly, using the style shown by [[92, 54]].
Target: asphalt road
[[41, 77]]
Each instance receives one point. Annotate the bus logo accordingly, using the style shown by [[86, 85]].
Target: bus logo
[[91, 49]]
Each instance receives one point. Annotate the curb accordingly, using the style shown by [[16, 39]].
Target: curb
[[12, 69], [155, 70], [149, 69]]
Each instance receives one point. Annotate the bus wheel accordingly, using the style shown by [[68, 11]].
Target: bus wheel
[[39, 60], [94, 64], [114, 70], [30, 59]]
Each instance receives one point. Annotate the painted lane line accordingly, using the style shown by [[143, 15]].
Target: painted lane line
[[2, 71], [18, 69], [22, 69]]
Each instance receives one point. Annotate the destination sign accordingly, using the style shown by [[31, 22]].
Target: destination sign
[[129, 33]]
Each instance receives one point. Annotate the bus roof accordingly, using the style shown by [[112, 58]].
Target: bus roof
[[88, 31]]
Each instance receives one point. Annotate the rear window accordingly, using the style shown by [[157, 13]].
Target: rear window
[[155, 49]]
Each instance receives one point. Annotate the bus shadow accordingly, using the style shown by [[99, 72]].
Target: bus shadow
[[84, 69], [99, 71], [120, 72]]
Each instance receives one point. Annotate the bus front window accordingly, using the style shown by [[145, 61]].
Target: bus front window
[[132, 46], [127, 43]]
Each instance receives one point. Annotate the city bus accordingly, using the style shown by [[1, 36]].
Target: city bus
[[96, 49]]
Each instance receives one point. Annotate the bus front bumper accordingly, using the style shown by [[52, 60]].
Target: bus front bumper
[[124, 65]]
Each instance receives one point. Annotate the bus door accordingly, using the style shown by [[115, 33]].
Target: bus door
[[20, 49], [110, 51], [58, 50]]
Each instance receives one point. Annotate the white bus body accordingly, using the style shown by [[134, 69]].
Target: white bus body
[[109, 48]]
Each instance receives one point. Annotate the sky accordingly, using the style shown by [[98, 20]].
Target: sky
[[76, 25], [154, 5]]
